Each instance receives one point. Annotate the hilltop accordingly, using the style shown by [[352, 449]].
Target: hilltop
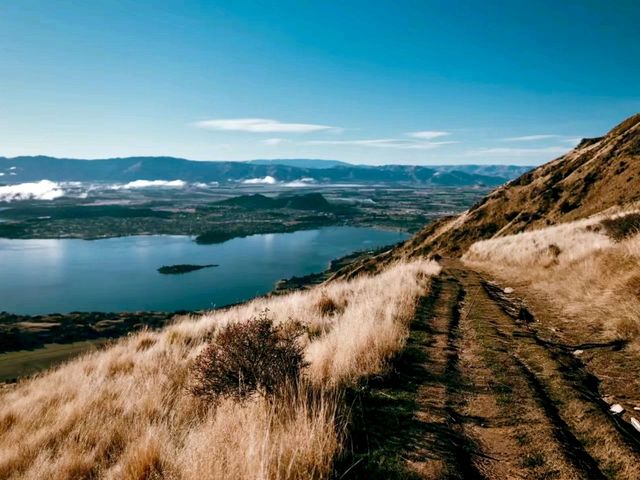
[[598, 174]]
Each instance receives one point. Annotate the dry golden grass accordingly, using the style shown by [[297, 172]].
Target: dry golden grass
[[126, 412], [581, 270]]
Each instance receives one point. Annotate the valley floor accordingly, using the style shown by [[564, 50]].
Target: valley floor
[[479, 393]]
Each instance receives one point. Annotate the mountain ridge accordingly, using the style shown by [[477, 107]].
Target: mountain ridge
[[598, 174], [126, 169], [301, 162]]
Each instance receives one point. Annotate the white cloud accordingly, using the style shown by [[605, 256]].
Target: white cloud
[[428, 134], [42, 190], [150, 184], [301, 182], [268, 180], [383, 143], [515, 152], [530, 138], [260, 125], [273, 142]]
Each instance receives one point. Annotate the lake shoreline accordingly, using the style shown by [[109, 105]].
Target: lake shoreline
[[200, 239], [26, 339], [42, 277]]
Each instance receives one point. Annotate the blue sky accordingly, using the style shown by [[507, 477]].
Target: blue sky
[[423, 82]]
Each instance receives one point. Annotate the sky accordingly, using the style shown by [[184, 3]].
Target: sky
[[375, 82]]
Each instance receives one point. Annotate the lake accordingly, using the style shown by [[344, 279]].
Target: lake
[[120, 274]]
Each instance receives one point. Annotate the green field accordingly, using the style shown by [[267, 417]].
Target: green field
[[27, 362]]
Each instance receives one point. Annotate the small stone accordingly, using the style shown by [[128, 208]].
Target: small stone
[[508, 290], [616, 409], [635, 423], [637, 409], [578, 352]]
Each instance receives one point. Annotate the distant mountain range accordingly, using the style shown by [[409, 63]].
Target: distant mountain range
[[29, 169], [302, 163]]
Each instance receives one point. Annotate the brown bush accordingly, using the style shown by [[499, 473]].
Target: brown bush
[[326, 305], [620, 228], [554, 250], [249, 357]]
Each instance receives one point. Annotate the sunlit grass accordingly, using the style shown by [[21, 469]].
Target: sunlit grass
[[127, 412]]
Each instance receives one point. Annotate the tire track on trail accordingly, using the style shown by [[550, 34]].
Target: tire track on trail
[[475, 396], [457, 389], [410, 425], [547, 395]]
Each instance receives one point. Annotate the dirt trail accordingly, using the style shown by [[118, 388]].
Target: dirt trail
[[478, 395]]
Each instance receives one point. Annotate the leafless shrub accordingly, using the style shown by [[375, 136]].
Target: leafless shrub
[[326, 305], [249, 357], [623, 227]]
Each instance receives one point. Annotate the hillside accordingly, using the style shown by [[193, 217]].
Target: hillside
[[514, 356], [536, 330], [130, 412], [598, 174], [30, 169]]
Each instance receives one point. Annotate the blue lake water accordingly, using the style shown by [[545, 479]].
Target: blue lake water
[[120, 274]]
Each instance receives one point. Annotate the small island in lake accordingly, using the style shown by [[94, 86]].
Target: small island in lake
[[182, 268]]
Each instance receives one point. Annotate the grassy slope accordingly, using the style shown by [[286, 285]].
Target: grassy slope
[[126, 412], [585, 287], [597, 175]]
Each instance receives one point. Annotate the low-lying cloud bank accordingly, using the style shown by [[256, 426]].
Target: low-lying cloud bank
[[42, 190], [268, 180], [48, 190], [301, 182], [150, 184]]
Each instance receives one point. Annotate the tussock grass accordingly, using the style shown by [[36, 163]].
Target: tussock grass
[[590, 273], [622, 226], [127, 412]]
